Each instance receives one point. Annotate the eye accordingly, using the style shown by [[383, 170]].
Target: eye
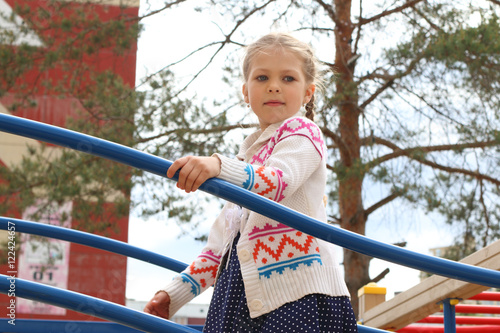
[[261, 78], [288, 79]]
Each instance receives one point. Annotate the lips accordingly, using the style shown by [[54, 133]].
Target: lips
[[274, 103]]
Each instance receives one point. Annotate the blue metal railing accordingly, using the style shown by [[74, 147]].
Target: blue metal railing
[[77, 326], [84, 238], [254, 202], [92, 306], [45, 325]]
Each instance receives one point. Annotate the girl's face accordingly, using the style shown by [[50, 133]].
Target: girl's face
[[276, 86]]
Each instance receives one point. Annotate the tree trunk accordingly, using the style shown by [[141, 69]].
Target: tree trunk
[[351, 176]]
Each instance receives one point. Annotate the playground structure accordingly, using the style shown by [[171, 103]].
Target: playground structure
[[417, 303], [141, 321]]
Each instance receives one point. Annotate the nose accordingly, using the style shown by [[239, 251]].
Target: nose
[[273, 86]]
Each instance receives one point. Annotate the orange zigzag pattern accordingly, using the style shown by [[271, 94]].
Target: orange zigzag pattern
[[286, 239], [266, 180], [212, 269]]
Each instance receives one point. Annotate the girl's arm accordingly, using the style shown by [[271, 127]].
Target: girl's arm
[[195, 279]]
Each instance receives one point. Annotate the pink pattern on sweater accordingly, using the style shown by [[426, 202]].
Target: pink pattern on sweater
[[294, 126]]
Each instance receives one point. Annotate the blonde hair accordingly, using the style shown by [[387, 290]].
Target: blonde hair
[[287, 42]]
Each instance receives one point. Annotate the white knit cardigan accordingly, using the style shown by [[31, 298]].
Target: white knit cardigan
[[285, 163]]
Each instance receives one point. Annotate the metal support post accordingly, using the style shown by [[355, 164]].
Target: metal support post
[[448, 306]]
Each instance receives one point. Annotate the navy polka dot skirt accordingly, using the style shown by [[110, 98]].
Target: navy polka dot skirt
[[314, 313]]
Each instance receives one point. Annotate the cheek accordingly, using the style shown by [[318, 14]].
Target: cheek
[[252, 94]]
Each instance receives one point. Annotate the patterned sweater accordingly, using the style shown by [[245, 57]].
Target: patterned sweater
[[285, 163]]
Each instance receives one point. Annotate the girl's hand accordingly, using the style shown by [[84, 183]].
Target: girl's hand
[[159, 305], [195, 170]]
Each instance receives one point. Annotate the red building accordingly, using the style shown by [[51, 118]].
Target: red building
[[76, 268]]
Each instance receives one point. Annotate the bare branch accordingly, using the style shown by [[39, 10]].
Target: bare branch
[[426, 149], [409, 152], [358, 34], [497, 2], [389, 79], [398, 75], [154, 12], [334, 220], [223, 43], [381, 275], [383, 202], [486, 214], [329, 10], [198, 131], [226, 41], [474, 174], [411, 3], [337, 139], [428, 104], [201, 48], [380, 90], [422, 15]]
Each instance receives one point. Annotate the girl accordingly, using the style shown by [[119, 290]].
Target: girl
[[268, 277]]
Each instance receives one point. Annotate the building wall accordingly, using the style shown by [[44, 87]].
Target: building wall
[[89, 271]]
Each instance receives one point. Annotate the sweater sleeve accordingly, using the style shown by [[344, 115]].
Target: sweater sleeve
[[201, 274], [282, 165]]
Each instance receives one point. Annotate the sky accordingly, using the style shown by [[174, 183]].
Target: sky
[[167, 38]]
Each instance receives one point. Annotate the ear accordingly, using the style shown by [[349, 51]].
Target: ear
[[309, 93], [244, 90]]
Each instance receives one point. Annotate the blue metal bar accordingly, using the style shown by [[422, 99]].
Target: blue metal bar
[[254, 202], [43, 325], [33, 326], [449, 317], [92, 240], [90, 305]]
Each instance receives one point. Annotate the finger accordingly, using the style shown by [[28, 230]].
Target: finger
[[179, 163], [185, 174], [163, 307], [163, 313], [202, 176], [193, 179]]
